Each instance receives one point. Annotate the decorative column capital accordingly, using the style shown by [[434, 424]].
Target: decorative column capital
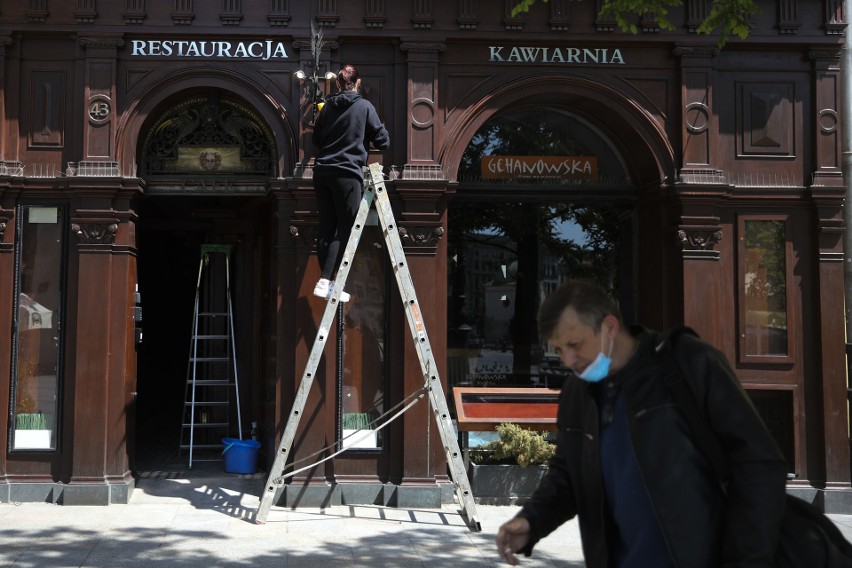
[[423, 47], [112, 42], [696, 51], [95, 231], [698, 242], [6, 218], [824, 54], [420, 239]]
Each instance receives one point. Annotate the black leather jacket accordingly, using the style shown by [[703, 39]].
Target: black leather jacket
[[703, 526]]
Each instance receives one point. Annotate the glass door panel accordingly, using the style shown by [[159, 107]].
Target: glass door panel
[[36, 364], [504, 259]]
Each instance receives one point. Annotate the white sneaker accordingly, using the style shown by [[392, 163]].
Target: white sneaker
[[344, 296], [323, 288]]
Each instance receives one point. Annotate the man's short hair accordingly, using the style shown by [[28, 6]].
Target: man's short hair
[[591, 302]]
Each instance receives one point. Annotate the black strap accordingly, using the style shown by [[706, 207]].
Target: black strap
[[703, 435]]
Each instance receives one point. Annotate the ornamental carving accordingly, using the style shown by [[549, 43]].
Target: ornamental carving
[[699, 242], [94, 43], [94, 232], [696, 51], [830, 54], [423, 47], [303, 235], [420, 239], [209, 135], [5, 219]]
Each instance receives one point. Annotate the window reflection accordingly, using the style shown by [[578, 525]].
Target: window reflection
[[506, 254], [538, 137], [363, 389], [36, 385], [504, 259], [765, 287]]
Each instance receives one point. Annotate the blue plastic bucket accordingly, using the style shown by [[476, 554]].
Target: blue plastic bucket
[[240, 455]]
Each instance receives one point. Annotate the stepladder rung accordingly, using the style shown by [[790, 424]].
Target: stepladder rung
[[375, 194], [211, 382]]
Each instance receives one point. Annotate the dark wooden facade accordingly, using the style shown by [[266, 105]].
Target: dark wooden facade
[[710, 138]]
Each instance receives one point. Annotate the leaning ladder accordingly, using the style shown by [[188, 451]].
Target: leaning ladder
[[374, 189], [212, 368]]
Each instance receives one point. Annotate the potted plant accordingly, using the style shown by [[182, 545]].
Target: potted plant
[[32, 431], [358, 431], [508, 470]]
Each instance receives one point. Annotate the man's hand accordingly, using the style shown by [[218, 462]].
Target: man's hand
[[512, 537]]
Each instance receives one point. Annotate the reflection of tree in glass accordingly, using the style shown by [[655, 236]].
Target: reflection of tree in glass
[[531, 231], [765, 278], [518, 134], [766, 260], [526, 232]]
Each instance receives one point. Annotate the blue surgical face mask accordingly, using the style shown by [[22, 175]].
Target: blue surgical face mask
[[599, 368]]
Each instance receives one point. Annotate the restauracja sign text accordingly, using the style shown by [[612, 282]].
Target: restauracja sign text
[[264, 50]]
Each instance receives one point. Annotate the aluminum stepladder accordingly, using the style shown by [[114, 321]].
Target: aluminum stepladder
[[374, 191], [212, 368]]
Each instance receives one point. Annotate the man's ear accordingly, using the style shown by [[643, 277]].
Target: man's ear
[[612, 323]]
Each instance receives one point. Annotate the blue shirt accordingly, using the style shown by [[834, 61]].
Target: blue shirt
[[638, 540]]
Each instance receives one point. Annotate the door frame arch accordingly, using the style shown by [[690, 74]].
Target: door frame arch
[[643, 143], [136, 117]]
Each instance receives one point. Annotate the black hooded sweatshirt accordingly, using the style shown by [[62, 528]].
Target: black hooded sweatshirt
[[344, 127]]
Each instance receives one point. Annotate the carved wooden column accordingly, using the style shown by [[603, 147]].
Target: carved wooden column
[[7, 287], [700, 185], [706, 289], [422, 225], [828, 193], [5, 41], [826, 135], [298, 317], [99, 96], [700, 132], [424, 134], [102, 372], [422, 218], [828, 203]]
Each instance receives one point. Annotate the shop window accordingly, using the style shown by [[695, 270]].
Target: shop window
[[36, 362], [543, 197], [362, 373], [764, 261], [526, 252]]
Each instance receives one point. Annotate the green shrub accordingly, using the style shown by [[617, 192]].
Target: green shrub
[[31, 421], [357, 421], [516, 445]]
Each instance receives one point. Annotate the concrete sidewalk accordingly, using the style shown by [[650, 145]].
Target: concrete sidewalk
[[209, 522]]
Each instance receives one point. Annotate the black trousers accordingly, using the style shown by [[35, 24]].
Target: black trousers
[[338, 199]]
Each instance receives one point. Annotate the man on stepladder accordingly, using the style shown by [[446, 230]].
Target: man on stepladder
[[346, 124]]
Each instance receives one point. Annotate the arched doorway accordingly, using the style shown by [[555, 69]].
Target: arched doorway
[[207, 159], [543, 196]]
